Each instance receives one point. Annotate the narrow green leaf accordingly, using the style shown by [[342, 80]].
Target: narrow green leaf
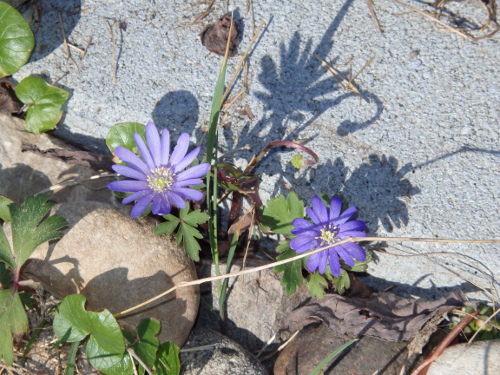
[[167, 359], [316, 284], [29, 230], [4, 208], [280, 212], [122, 134], [44, 101], [292, 271], [70, 363], [16, 40], [13, 319], [148, 343]]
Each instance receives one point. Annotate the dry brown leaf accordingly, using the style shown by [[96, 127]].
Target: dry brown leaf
[[384, 315]]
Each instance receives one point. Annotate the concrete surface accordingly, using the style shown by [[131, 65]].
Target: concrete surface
[[419, 159]]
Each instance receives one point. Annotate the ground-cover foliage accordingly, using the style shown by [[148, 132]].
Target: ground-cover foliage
[[170, 185]]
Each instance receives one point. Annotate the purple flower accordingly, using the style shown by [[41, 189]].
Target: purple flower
[[329, 227], [159, 177]]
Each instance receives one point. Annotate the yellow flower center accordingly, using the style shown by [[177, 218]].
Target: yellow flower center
[[161, 179], [328, 235]]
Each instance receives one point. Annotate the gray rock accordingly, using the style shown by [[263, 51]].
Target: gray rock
[[117, 262], [256, 303], [25, 173], [481, 357], [365, 357], [222, 356]]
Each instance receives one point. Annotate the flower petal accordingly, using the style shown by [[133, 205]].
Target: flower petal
[[197, 171], [137, 196], [129, 172], [320, 209], [314, 261], [313, 216], [350, 233], [153, 139], [127, 186], [303, 224], [346, 215], [180, 149], [301, 244], [344, 255], [355, 251], [177, 200], [191, 194], [132, 159], [140, 206], [334, 262], [184, 183], [352, 225], [335, 208], [188, 159], [143, 150], [164, 147], [161, 205]]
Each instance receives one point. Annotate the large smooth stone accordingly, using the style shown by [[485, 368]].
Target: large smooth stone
[[214, 354], [481, 357], [117, 262]]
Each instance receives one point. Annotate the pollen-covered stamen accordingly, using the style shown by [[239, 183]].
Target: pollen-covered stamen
[[328, 235], [161, 179]]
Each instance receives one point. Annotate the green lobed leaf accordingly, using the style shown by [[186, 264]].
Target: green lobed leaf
[[187, 235], [168, 226], [194, 218], [316, 284], [292, 271], [16, 40], [167, 359], [148, 343], [360, 266], [44, 101], [106, 344], [29, 230], [5, 251], [13, 319], [280, 212], [4, 208], [122, 134], [342, 282]]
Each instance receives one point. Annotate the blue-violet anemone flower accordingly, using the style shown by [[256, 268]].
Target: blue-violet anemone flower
[[330, 226], [158, 177]]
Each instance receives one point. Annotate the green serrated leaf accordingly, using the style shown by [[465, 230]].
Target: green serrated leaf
[[280, 212], [29, 230], [342, 282], [292, 271], [44, 101], [5, 251], [168, 226], [16, 40], [195, 218], [122, 134], [13, 319], [187, 235], [167, 359], [106, 344], [4, 208], [148, 343], [316, 283], [360, 266]]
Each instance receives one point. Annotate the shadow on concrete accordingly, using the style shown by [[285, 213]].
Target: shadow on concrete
[[43, 17]]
